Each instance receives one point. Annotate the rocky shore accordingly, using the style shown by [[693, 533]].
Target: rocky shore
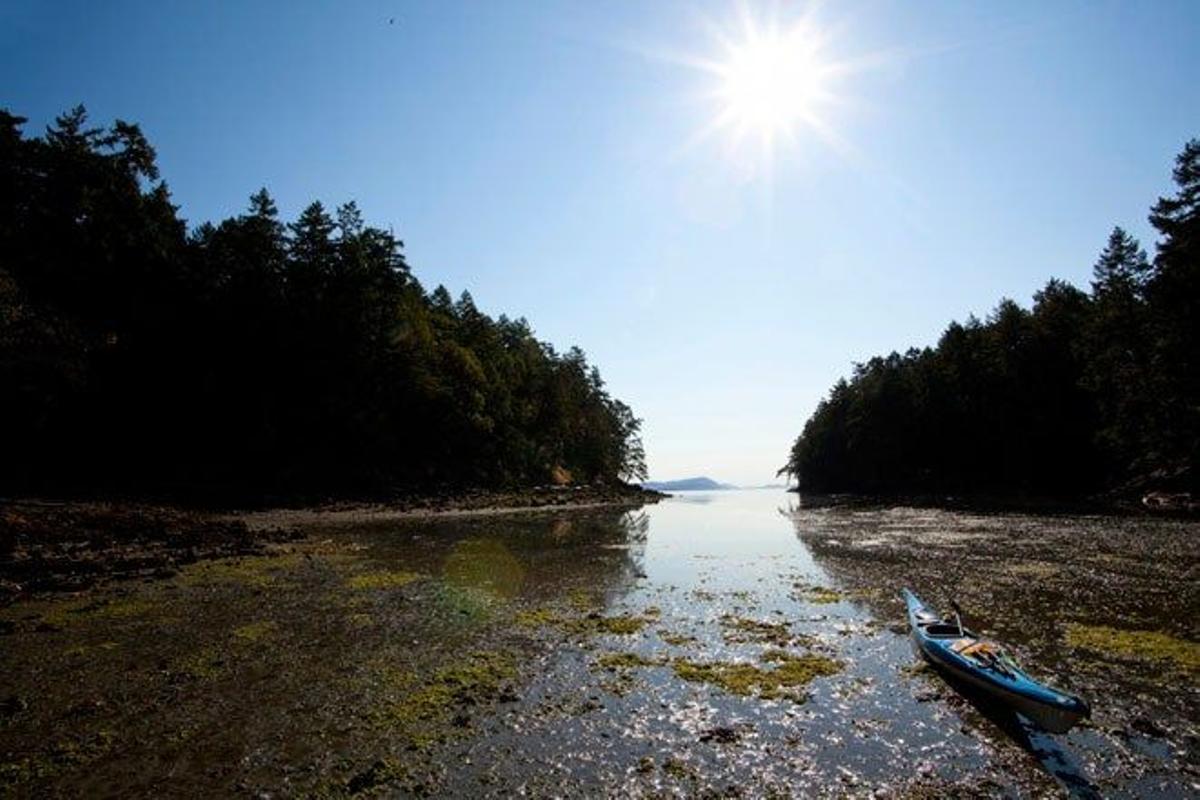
[[71, 546]]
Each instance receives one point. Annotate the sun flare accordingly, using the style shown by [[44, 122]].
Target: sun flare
[[775, 83], [771, 83]]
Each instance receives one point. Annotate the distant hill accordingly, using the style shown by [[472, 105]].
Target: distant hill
[[687, 485]]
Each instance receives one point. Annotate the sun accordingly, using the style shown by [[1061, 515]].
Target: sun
[[771, 84]]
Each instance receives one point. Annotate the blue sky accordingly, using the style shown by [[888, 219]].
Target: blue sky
[[546, 156]]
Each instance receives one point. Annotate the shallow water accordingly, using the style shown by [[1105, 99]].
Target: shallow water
[[547, 654]]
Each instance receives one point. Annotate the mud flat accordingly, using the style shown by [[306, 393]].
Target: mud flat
[[1104, 606], [326, 665], [72, 545], [709, 645]]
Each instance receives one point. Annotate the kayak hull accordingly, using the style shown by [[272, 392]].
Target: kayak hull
[[1051, 710]]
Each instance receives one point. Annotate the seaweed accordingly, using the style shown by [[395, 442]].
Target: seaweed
[[739, 630], [383, 579], [785, 679], [620, 661], [1141, 645]]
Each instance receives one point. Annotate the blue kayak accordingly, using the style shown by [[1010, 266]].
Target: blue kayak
[[984, 665]]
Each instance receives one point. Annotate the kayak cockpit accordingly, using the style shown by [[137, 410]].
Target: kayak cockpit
[[943, 630]]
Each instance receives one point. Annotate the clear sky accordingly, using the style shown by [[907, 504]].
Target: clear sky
[[563, 161]]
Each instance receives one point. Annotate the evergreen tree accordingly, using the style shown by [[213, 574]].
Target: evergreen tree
[[254, 356], [1174, 307], [1080, 395], [1122, 268]]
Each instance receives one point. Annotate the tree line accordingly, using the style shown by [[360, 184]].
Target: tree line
[[256, 356], [1086, 392]]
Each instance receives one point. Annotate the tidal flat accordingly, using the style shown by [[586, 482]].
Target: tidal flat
[[721, 644]]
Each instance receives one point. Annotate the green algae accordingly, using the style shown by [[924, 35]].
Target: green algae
[[740, 630], [61, 614], [60, 757], [255, 631], [259, 572], [675, 639], [484, 565], [90, 649], [677, 769], [823, 595], [470, 605], [820, 595], [425, 713], [205, 663], [1142, 645], [786, 679], [583, 600], [383, 579], [620, 625], [620, 661], [589, 625], [125, 608], [915, 668], [537, 618]]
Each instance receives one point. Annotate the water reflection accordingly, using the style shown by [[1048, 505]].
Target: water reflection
[[695, 498], [523, 558], [719, 565], [1051, 754]]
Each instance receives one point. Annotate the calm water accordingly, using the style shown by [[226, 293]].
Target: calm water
[[881, 725]]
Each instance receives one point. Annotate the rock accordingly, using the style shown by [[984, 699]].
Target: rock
[[927, 695], [378, 773], [721, 735], [13, 705], [9, 591], [1148, 727], [1168, 501]]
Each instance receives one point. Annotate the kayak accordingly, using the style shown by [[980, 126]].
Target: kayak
[[984, 665]]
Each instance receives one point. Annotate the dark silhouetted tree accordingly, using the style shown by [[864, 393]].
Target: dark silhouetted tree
[[254, 356], [1078, 395]]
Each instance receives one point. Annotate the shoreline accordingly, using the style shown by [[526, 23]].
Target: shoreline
[[368, 513], [74, 545], [1154, 505], [464, 504]]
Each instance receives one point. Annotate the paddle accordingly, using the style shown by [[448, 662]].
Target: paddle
[[957, 616]]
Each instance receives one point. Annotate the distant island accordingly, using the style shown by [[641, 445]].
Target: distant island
[[687, 485]]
